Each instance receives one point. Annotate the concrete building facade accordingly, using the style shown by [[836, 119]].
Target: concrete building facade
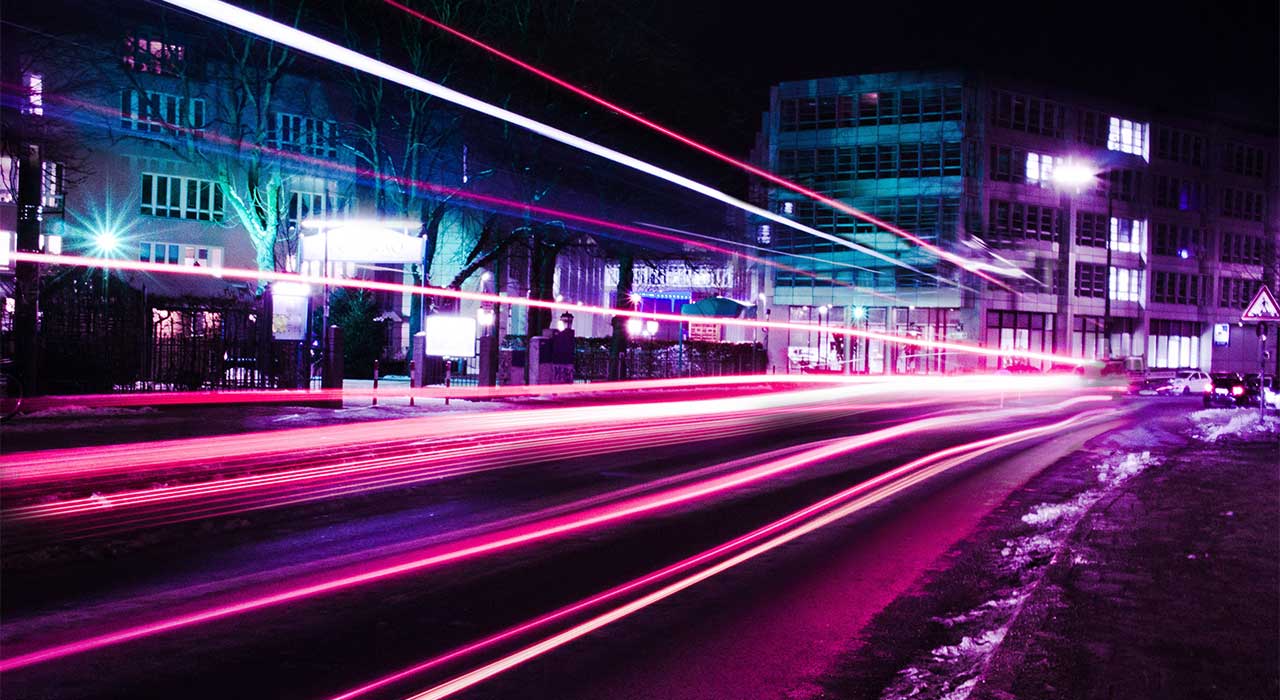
[[1186, 208]]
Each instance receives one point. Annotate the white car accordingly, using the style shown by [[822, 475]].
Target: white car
[[1190, 381]]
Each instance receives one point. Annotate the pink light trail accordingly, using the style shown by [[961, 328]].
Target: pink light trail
[[258, 275], [835, 507], [517, 536], [742, 165]]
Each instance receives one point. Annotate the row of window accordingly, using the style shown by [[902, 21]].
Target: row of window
[[1179, 288], [180, 254], [1242, 248], [52, 186], [1245, 160], [1236, 293], [1008, 222], [924, 216], [909, 106], [176, 197], [824, 166], [1178, 193], [1028, 114], [1174, 240], [1179, 146], [1243, 204], [158, 112], [1092, 279]]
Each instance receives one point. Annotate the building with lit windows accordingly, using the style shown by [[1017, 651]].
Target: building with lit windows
[[1187, 209]]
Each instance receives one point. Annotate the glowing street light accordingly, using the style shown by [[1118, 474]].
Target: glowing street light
[[1074, 175], [106, 243]]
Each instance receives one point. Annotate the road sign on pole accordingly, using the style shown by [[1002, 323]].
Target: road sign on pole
[[1262, 308]]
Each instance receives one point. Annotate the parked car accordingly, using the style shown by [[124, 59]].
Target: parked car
[[1189, 381], [1265, 389], [1226, 389]]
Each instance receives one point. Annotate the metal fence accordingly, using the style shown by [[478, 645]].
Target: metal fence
[[660, 360]]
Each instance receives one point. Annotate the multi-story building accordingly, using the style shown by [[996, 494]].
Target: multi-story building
[[1186, 209]]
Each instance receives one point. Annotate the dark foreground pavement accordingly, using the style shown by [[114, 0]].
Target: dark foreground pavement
[[1147, 566]]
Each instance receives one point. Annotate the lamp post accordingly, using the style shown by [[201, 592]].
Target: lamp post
[[1074, 176]]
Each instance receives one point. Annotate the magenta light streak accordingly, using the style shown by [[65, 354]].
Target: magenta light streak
[[512, 537], [489, 200], [742, 165], [969, 450], [243, 274]]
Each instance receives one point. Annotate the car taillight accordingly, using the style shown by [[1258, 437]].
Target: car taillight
[[1237, 390]]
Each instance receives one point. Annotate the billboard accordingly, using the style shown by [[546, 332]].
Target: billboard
[[451, 336]]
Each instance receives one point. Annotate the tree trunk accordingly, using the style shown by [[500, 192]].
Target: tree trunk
[[542, 284], [27, 279], [618, 342]]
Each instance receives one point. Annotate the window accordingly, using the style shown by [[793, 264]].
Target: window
[[1177, 241], [765, 235], [1088, 336], [34, 84], [1245, 160], [1179, 288], [1236, 293], [1040, 169], [823, 168], [1129, 137], [52, 185], [303, 205], [1179, 146], [153, 56], [813, 113], [1020, 330], [1241, 248], [1128, 235], [1178, 193], [180, 254], [1125, 184], [1029, 114], [8, 180], [1173, 344], [1091, 280], [1091, 229], [158, 112], [1093, 128], [176, 197], [307, 135], [51, 188], [1242, 204], [1126, 285], [1014, 221]]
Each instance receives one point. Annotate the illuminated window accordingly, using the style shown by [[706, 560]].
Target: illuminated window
[[1173, 344], [8, 180], [34, 83], [765, 236], [175, 197], [51, 190], [1128, 235], [153, 56], [158, 112], [1129, 137], [180, 254], [1040, 169], [1126, 284]]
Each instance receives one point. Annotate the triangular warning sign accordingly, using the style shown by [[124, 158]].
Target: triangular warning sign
[[1262, 308]]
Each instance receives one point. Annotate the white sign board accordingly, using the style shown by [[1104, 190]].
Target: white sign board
[[1222, 334], [706, 332], [1262, 308], [451, 336], [362, 243]]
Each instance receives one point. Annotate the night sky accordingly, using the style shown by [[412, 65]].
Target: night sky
[[1195, 58]]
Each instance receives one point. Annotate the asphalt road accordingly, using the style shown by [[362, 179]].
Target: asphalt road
[[760, 627]]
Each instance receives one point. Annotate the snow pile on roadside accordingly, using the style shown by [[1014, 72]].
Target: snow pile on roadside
[[1211, 425], [952, 671], [74, 411]]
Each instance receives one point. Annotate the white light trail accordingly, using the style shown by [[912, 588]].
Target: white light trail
[[258, 25]]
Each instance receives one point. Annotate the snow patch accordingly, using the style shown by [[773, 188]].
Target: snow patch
[[1129, 466], [1211, 425], [74, 411]]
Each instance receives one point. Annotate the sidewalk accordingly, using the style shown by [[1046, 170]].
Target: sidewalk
[[1147, 566]]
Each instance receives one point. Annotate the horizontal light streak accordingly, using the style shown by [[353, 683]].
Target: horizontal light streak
[[962, 262], [255, 275], [889, 483], [519, 536], [263, 27]]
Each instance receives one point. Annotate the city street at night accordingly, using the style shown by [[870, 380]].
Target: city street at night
[[639, 350]]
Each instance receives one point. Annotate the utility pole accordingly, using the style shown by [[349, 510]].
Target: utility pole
[[27, 277]]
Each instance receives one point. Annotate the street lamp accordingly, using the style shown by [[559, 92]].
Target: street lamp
[[1075, 176]]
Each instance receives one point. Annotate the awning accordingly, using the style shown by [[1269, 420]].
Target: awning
[[722, 307]]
